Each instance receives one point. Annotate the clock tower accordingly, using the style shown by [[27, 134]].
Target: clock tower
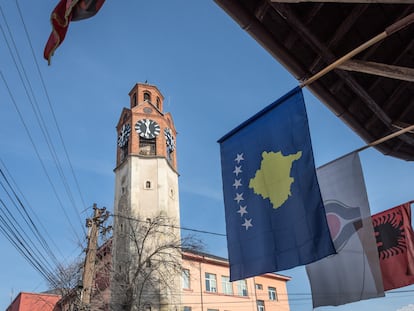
[[146, 189]]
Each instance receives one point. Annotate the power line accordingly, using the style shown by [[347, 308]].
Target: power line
[[38, 156], [37, 113], [13, 235], [20, 239], [171, 226], [50, 104], [15, 186], [28, 219]]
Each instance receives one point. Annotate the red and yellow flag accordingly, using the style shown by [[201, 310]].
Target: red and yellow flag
[[65, 12]]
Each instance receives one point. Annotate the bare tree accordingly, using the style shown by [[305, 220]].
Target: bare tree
[[66, 282], [66, 277], [147, 264]]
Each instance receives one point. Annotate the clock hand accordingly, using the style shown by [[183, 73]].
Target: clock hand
[[147, 130]]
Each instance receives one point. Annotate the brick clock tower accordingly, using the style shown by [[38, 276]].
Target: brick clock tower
[[146, 186]]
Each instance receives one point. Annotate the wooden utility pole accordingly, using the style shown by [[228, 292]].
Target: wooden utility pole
[[93, 225]]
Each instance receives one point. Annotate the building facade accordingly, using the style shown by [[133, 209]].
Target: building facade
[[206, 286], [34, 302]]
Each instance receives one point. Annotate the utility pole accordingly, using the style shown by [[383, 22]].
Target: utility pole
[[93, 225]]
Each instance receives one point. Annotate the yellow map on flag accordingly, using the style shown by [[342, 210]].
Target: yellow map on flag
[[273, 179]]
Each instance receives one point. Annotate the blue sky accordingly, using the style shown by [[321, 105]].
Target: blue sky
[[213, 76]]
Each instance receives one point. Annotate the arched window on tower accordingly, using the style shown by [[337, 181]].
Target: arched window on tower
[[158, 103], [147, 96]]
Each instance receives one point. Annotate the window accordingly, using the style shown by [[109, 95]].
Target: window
[[212, 310], [148, 184], [187, 309], [272, 293], [226, 285], [123, 152], [211, 285], [125, 117], [147, 96], [259, 286], [134, 100], [185, 275], [158, 102], [260, 305], [242, 288], [147, 146]]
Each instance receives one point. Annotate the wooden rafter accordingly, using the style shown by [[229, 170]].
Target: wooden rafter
[[383, 70], [341, 32]]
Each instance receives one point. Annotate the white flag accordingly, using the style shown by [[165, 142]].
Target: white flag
[[354, 273]]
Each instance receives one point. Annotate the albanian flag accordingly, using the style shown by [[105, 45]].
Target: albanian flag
[[395, 242], [65, 12]]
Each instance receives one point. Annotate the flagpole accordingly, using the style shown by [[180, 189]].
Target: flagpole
[[376, 142], [402, 23], [385, 138]]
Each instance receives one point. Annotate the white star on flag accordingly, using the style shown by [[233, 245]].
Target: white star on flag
[[239, 158], [239, 197], [247, 223], [237, 183], [242, 210], [237, 170]]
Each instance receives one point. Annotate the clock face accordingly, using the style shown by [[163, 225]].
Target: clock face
[[169, 138], [147, 128], [124, 135]]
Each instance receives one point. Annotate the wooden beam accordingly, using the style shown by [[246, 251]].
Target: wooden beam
[[401, 125], [346, 1], [341, 31], [388, 71]]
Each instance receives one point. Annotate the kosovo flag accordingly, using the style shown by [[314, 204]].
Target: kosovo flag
[[275, 218]]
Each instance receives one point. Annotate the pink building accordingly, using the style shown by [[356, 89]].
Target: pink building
[[206, 287], [34, 302]]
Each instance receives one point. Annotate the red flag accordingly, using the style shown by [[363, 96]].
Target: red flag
[[65, 12], [395, 242]]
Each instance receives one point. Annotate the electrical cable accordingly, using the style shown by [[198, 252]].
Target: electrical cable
[[38, 156], [20, 232], [50, 105], [18, 241], [38, 114], [15, 186], [171, 226], [28, 219]]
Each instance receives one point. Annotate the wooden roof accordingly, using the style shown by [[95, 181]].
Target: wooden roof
[[373, 92]]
